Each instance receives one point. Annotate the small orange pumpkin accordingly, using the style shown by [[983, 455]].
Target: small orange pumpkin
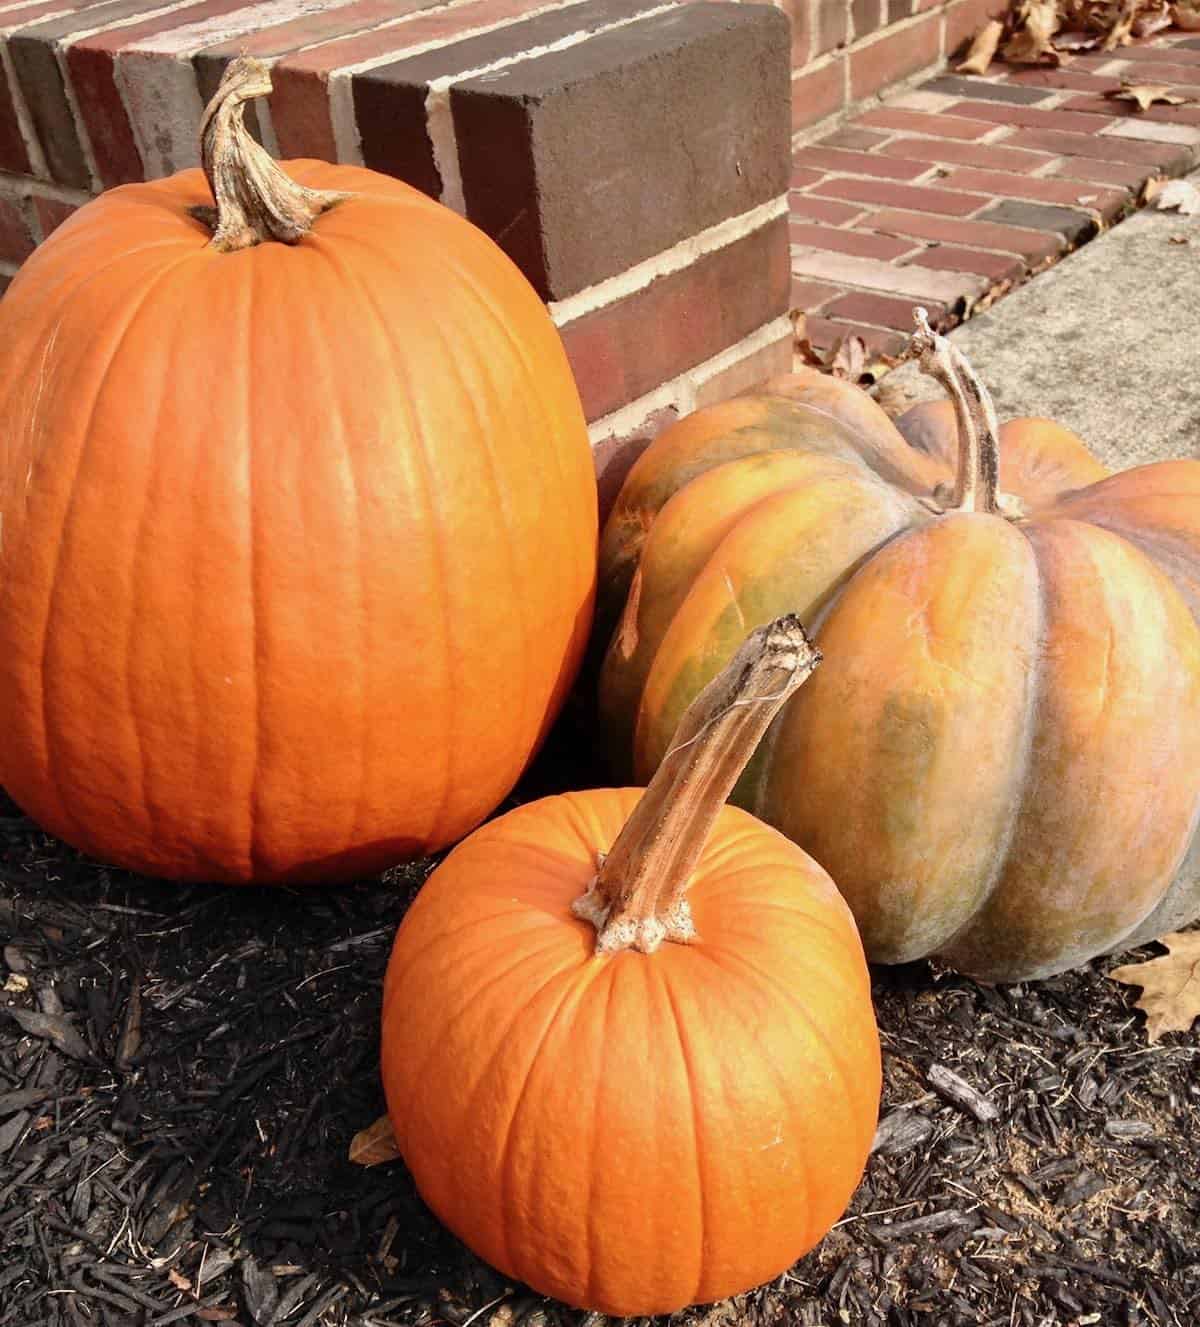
[[627, 1124], [1001, 765], [297, 550]]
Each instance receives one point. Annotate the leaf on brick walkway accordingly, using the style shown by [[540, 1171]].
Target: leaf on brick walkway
[[1046, 31], [983, 48], [1178, 196], [1170, 984], [1146, 94], [375, 1144], [1034, 24], [849, 359], [1121, 32]]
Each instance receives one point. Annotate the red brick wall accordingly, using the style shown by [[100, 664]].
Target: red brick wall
[[541, 120], [544, 121], [846, 51]]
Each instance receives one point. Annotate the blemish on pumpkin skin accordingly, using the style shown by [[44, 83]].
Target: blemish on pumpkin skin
[[733, 599]]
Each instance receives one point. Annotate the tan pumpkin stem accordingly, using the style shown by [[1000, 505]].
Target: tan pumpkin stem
[[255, 199], [638, 897], [977, 481]]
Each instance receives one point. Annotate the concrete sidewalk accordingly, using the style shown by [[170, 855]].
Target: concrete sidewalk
[[1107, 342]]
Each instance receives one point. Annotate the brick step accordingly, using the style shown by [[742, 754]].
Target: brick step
[[950, 194]]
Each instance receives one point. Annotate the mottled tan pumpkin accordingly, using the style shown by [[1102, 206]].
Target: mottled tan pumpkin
[[1000, 764]]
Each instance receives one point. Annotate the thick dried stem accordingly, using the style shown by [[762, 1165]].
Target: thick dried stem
[[255, 199], [637, 899], [977, 482]]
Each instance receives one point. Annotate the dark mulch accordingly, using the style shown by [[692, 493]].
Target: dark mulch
[[182, 1069]]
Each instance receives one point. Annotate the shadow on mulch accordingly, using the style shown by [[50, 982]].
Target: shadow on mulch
[[182, 1069]]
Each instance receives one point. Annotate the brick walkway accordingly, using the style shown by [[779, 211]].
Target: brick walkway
[[941, 194]]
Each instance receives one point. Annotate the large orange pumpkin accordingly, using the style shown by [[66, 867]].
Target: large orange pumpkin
[[1001, 763], [297, 550], [627, 1124]]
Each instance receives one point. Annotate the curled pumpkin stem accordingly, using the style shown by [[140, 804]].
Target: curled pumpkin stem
[[638, 897], [976, 485], [256, 200]]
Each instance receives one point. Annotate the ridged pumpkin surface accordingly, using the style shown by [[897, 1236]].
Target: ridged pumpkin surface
[[297, 543], [999, 762], [630, 1132]]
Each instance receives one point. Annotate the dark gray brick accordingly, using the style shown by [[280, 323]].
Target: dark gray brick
[[584, 161], [389, 100], [983, 91], [1073, 226]]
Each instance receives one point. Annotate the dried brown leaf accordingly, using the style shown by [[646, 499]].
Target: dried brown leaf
[[849, 358], [1186, 14], [1034, 26], [983, 48], [1178, 196], [804, 351], [894, 397], [1146, 94], [1075, 41], [1170, 985], [53, 1028], [374, 1145], [1121, 32], [178, 1280], [1152, 20], [1152, 188]]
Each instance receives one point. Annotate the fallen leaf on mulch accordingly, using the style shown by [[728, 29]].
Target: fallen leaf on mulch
[[54, 1028], [375, 1144], [983, 48], [1186, 14], [1170, 985], [1146, 94], [1178, 196]]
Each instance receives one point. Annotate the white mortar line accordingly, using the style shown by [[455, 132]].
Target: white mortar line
[[158, 84], [669, 260], [766, 335], [681, 391], [439, 121], [33, 146], [340, 82], [20, 185], [63, 44]]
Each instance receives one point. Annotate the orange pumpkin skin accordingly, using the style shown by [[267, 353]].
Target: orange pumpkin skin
[[297, 553], [630, 1133], [999, 762]]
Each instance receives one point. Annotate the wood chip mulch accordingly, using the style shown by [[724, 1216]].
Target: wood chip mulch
[[182, 1069]]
